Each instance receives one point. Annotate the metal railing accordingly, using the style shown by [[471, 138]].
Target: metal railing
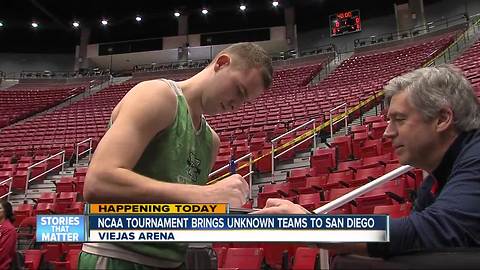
[[344, 116], [248, 156], [188, 64], [29, 169], [10, 179], [461, 42], [60, 75], [317, 129], [352, 195], [327, 48], [297, 142], [89, 150]]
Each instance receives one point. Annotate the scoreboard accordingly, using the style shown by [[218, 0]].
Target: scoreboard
[[345, 22]]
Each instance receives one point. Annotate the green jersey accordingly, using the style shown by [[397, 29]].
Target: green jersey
[[178, 154]]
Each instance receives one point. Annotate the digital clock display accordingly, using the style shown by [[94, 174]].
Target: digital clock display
[[345, 22]]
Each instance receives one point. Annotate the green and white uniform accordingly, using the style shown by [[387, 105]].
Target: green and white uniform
[[178, 154]]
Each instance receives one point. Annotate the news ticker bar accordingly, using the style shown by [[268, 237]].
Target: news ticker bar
[[297, 236], [204, 208], [212, 228]]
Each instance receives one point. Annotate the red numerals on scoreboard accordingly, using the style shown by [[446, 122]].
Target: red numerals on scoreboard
[[343, 15]]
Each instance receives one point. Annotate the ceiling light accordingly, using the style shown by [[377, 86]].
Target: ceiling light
[[1, 24], [76, 24], [138, 18], [204, 11], [34, 24], [104, 21], [176, 14], [243, 7], [275, 3]]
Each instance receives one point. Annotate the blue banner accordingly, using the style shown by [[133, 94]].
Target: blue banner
[[238, 222], [60, 228]]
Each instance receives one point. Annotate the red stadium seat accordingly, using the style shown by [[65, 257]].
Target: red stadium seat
[[366, 175], [220, 162], [376, 160], [323, 160], [44, 209], [349, 165], [371, 148], [19, 180], [305, 258], [221, 253], [310, 201], [372, 119], [313, 184], [264, 165], [33, 258], [335, 193], [52, 252], [21, 212], [64, 201], [344, 147], [65, 184], [359, 129], [71, 262], [4, 175], [78, 185], [47, 197], [378, 128], [395, 210], [276, 255], [244, 258], [357, 142], [338, 179], [75, 208], [26, 229]]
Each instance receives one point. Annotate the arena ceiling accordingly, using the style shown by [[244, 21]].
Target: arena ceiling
[[55, 32]]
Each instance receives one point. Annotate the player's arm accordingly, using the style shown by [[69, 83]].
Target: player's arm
[[148, 109]]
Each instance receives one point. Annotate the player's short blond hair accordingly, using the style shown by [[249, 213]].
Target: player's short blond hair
[[251, 55]]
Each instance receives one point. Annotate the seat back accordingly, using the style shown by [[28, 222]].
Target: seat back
[[394, 210], [310, 201], [305, 258], [72, 257], [221, 254], [33, 257], [244, 258]]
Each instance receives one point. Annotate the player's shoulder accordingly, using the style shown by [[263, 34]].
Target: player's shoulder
[[153, 94], [152, 100], [154, 89]]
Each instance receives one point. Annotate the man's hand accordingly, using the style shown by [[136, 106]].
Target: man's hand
[[280, 206], [233, 190]]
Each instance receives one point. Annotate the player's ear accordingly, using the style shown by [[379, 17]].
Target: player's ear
[[222, 61]]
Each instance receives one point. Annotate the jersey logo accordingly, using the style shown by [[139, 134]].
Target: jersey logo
[[193, 167]]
